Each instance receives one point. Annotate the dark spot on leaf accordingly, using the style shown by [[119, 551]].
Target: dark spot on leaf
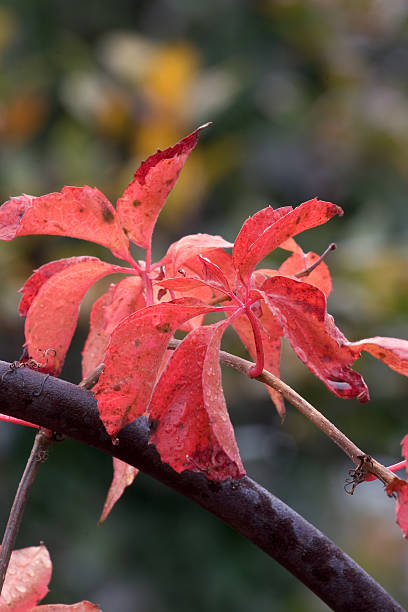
[[81, 210], [116, 387], [136, 203], [137, 343], [165, 328], [382, 355], [169, 182], [107, 214]]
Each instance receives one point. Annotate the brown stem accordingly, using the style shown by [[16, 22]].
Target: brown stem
[[91, 380], [308, 270], [38, 455], [242, 504], [362, 460]]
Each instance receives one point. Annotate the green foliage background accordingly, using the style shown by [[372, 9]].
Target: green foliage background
[[308, 98]]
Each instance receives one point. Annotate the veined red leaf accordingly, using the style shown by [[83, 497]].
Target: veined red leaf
[[190, 246], [253, 228], [34, 283], [116, 304], [392, 351], [182, 283], [191, 426], [271, 334], [123, 476], [319, 277], [213, 274], [146, 195], [133, 359], [53, 314], [79, 212], [300, 309], [252, 247], [400, 488], [27, 578], [82, 606]]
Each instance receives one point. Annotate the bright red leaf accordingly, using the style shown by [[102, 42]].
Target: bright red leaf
[[400, 488], [120, 301], [300, 309], [48, 337], [253, 244], [123, 476], [146, 195], [190, 422], [190, 246], [392, 351], [133, 359], [80, 212], [27, 578]]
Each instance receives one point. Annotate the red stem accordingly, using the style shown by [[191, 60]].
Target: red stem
[[257, 369], [9, 419]]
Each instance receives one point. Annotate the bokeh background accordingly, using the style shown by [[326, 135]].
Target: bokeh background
[[307, 98]]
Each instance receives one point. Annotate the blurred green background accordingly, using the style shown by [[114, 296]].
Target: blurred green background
[[308, 98]]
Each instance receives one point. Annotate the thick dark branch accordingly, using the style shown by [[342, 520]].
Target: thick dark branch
[[243, 504]]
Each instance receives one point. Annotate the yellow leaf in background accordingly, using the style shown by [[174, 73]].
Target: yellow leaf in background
[[172, 70], [23, 116]]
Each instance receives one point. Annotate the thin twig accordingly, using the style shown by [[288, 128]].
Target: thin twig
[[309, 269], [360, 459], [38, 455], [91, 380]]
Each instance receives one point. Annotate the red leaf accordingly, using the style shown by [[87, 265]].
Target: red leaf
[[53, 313], [213, 275], [192, 430], [27, 578], [392, 351], [271, 333], [121, 300], [256, 239], [182, 283], [146, 195], [80, 212], [34, 283], [400, 487], [190, 246], [82, 606], [133, 359], [253, 228], [301, 311], [299, 261], [123, 476]]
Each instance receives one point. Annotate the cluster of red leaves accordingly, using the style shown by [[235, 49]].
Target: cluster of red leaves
[[133, 322], [26, 583]]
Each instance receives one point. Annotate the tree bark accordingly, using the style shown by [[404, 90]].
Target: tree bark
[[242, 504]]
